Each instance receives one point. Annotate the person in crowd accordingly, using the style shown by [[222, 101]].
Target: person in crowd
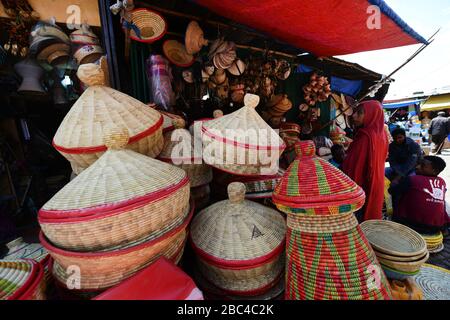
[[439, 130], [366, 157], [338, 153], [422, 198], [404, 154]]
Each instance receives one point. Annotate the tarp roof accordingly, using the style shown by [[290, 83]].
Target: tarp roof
[[322, 27], [438, 102], [401, 104]]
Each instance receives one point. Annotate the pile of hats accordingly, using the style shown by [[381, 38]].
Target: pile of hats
[[79, 137], [117, 216], [256, 146], [86, 45], [328, 256], [22, 279], [239, 244], [435, 242], [400, 250], [49, 43], [317, 90]]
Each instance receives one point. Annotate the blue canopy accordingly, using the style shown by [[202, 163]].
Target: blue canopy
[[396, 105]]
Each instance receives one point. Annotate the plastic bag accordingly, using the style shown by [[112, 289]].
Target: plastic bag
[[160, 82]]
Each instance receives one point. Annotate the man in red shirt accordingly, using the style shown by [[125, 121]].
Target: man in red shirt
[[421, 203]]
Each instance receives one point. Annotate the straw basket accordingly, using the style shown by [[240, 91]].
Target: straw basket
[[328, 256], [179, 149], [103, 269], [151, 25], [21, 279], [122, 197], [242, 142], [79, 138], [239, 244]]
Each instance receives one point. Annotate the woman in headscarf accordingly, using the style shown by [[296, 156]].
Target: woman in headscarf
[[366, 157]]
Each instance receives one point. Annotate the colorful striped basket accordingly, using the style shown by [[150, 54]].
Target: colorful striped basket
[[79, 138], [21, 279], [180, 150], [328, 256], [124, 196], [242, 142], [105, 268]]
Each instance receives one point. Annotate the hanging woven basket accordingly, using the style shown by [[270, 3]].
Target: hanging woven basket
[[122, 197]]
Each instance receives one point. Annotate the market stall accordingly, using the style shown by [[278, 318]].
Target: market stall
[[184, 146]]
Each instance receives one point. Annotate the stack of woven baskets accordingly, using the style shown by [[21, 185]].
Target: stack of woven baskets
[[116, 217], [180, 150], [79, 137], [239, 245], [400, 250], [21, 279], [435, 242], [86, 45], [241, 142], [328, 256]]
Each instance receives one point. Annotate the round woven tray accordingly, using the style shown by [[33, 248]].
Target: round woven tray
[[436, 249], [393, 238], [409, 266], [434, 281], [398, 258]]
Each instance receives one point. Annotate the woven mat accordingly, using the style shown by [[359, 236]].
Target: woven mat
[[434, 281]]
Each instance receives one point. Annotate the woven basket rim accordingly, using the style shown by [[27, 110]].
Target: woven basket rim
[[255, 292], [52, 248], [153, 39], [404, 264], [102, 211], [38, 278], [238, 264], [100, 148]]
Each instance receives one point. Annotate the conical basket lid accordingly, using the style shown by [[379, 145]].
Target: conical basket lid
[[238, 232], [179, 145], [313, 186], [244, 123], [119, 178], [15, 278], [97, 108]]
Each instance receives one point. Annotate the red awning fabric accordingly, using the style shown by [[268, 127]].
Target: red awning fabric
[[321, 27]]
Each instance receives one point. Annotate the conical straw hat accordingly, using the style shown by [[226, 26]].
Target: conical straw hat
[[81, 132], [314, 187], [237, 231], [122, 197], [179, 149]]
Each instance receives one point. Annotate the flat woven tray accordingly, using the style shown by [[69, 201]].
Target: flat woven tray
[[393, 238], [434, 281]]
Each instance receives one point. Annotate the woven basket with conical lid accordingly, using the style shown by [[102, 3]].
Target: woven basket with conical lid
[[242, 142], [79, 138], [311, 186], [239, 243], [122, 197], [21, 279], [180, 150]]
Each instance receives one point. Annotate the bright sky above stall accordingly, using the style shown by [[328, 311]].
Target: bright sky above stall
[[431, 69]]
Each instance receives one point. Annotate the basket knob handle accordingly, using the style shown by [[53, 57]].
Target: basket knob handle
[[217, 113], [305, 149], [178, 123], [116, 138], [236, 192], [251, 100], [91, 74]]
